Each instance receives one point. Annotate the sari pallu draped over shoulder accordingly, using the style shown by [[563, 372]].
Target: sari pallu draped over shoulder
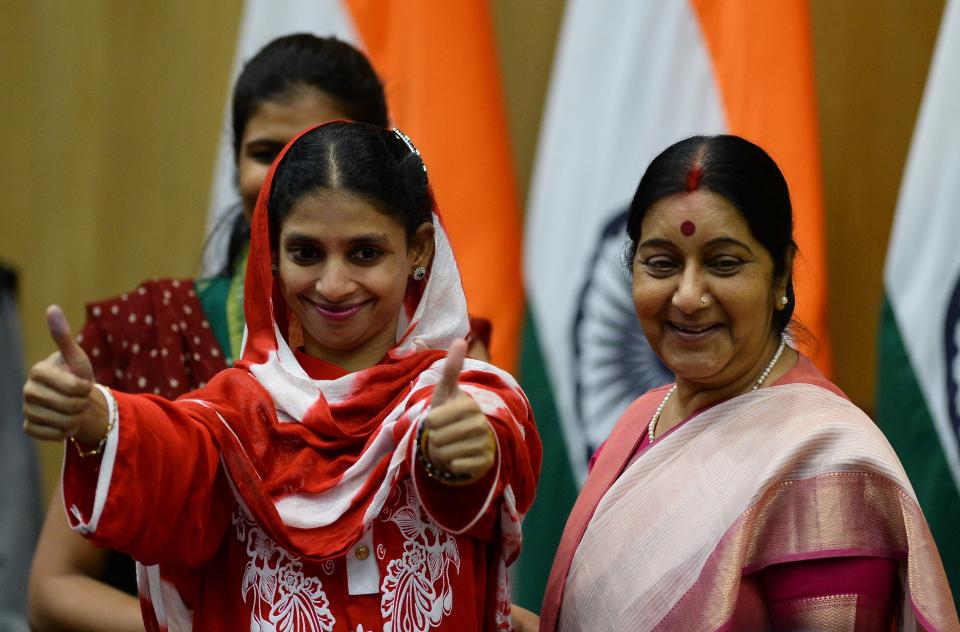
[[788, 473], [313, 461]]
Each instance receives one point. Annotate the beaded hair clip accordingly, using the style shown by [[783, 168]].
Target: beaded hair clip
[[410, 146]]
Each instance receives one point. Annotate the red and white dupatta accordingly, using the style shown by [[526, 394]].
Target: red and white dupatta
[[786, 473], [312, 461]]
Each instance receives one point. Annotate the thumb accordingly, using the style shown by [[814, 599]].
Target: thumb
[[73, 356], [447, 388]]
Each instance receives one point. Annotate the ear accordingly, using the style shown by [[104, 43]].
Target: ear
[[420, 246], [780, 284]]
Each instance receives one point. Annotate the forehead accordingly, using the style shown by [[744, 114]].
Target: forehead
[[694, 217], [338, 214], [285, 115]]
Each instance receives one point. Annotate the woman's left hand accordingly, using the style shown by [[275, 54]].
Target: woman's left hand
[[459, 437], [523, 620]]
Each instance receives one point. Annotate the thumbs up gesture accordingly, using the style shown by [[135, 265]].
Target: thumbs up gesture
[[59, 400], [458, 438]]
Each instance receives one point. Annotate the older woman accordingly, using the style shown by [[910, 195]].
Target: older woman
[[750, 494]]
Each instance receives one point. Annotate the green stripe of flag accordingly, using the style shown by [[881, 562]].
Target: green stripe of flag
[[904, 417], [556, 492]]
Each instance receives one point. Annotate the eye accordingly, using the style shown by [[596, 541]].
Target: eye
[[726, 265], [263, 156], [303, 254], [262, 151], [366, 254], [660, 265]]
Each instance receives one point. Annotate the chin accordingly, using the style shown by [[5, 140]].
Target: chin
[[692, 369]]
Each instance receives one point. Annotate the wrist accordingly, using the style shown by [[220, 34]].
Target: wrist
[[430, 468], [97, 422]]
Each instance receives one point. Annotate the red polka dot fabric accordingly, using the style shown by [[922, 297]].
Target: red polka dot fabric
[[155, 339]]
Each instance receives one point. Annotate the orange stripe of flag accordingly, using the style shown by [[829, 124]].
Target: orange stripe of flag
[[442, 79], [763, 60]]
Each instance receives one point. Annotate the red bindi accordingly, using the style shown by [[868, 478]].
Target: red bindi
[[688, 228]]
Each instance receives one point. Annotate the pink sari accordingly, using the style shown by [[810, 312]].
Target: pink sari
[[788, 473]]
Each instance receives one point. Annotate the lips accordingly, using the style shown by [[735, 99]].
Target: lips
[[693, 331], [337, 312]]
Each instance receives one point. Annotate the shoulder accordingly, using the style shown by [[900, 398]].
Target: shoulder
[[806, 372], [646, 403], [137, 308], [154, 291], [638, 413], [813, 419]]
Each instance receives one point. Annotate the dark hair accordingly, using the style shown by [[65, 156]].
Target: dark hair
[[368, 161], [745, 176], [287, 64], [303, 60]]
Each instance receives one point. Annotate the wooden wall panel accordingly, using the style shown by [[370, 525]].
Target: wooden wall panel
[[871, 62], [111, 116]]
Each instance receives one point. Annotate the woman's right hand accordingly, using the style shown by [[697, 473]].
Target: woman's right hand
[[59, 400]]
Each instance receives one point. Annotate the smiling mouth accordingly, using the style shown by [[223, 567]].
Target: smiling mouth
[[338, 312], [693, 331]]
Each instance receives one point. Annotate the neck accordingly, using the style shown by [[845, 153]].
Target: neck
[[692, 395], [357, 358]]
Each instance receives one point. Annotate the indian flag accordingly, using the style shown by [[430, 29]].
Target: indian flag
[[439, 66], [918, 399], [628, 81]]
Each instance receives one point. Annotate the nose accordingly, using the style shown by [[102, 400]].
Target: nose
[[335, 282], [691, 286]]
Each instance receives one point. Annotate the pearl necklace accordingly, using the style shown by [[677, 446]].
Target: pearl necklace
[[760, 380]]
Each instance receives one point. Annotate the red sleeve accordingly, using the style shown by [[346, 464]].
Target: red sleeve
[[474, 508], [855, 593], [157, 492]]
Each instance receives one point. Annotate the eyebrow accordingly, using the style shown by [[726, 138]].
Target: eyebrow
[[659, 242], [729, 241], [356, 239], [264, 142]]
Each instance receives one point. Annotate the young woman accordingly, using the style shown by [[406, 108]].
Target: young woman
[[171, 336], [347, 474]]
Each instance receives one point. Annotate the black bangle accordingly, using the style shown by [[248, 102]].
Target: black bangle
[[429, 468]]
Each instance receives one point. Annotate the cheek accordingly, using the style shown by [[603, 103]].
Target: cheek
[[294, 277], [391, 287], [394, 283], [252, 175], [648, 298], [752, 310], [289, 280]]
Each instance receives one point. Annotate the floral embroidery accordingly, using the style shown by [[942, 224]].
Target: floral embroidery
[[282, 598], [416, 592]]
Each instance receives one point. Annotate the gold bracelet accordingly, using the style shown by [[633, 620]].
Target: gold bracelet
[[112, 416]]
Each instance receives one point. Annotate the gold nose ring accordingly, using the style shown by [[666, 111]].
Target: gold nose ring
[[705, 299]]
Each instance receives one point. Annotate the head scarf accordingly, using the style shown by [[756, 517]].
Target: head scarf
[[312, 461]]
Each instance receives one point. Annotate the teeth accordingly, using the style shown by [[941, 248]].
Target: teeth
[[692, 331]]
